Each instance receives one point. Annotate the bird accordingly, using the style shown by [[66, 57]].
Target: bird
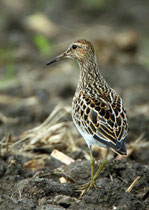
[[98, 111]]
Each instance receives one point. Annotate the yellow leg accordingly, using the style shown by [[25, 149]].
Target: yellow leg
[[92, 184], [101, 166]]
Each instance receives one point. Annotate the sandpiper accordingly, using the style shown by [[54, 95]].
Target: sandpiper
[[97, 110]]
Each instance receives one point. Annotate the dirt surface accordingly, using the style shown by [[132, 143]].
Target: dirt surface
[[21, 189], [35, 101]]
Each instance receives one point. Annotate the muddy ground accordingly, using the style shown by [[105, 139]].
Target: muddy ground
[[31, 92]]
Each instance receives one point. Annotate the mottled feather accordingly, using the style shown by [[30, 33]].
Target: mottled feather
[[99, 118]]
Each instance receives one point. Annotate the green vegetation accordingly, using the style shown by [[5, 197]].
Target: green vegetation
[[43, 44], [145, 42], [7, 60]]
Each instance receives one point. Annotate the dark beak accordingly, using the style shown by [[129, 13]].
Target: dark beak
[[59, 57]]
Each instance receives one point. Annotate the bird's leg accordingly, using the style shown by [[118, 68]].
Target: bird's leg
[[101, 165], [91, 183], [92, 161]]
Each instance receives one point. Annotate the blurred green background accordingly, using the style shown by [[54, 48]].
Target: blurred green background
[[32, 32], [38, 25]]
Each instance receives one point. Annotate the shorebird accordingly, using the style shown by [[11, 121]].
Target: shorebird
[[97, 110]]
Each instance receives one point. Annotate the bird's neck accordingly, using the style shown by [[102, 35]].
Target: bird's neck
[[90, 74]]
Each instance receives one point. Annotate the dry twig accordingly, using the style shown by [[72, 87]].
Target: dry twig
[[62, 157], [133, 184]]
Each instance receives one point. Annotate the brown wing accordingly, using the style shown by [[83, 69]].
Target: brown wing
[[106, 122]]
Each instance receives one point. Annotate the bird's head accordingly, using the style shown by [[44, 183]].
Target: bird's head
[[79, 50]]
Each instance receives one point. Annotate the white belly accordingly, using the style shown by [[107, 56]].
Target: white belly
[[89, 138]]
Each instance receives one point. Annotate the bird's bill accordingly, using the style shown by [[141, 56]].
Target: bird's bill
[[59, 57]]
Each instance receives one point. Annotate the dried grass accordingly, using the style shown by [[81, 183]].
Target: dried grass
[[53, 133]]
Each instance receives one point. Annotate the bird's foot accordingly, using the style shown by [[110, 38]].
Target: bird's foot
[[86, 187]]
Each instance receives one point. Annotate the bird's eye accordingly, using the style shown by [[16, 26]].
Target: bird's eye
[[74, 47]]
